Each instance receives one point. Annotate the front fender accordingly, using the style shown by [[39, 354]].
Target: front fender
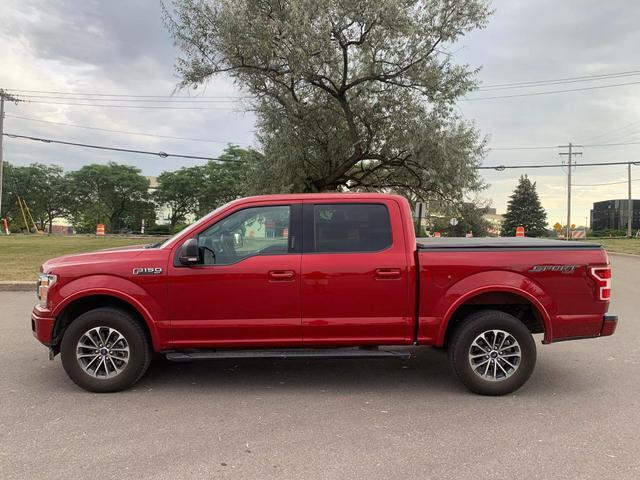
[[465, 289], [118, 287]]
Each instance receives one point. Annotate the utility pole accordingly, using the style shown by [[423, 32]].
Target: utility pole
[[569, 154], [630, 206], [3, 96]]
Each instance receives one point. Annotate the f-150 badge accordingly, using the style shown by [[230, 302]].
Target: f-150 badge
[[147, 271], [553, 268]]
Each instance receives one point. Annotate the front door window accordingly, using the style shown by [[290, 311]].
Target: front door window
[[248, 232]]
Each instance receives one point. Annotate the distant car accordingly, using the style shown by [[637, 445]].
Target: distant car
[[321, 276]]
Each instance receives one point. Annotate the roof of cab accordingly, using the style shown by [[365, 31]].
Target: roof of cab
[[321, 196]]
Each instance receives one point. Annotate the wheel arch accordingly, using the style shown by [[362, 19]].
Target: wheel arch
[[515, 301], [82, 302]]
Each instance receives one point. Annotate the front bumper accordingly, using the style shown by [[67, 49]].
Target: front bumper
[[42, 325], [609, 324]]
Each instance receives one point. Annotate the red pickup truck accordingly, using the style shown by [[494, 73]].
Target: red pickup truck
[[323, 276]]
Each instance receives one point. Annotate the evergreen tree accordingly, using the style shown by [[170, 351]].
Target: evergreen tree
[[525, 210]]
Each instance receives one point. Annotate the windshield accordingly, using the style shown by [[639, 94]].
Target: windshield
[[191, 227]]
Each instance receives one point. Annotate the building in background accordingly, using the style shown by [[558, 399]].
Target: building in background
[[163, 212], [495, 219], [613, 215]]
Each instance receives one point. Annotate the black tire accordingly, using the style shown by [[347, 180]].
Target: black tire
[[140, 351], [475, 325]]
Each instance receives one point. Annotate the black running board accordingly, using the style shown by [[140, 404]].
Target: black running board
[[331, 353]]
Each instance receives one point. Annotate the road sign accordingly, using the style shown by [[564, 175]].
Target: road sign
[[453, 221], [557, 226]]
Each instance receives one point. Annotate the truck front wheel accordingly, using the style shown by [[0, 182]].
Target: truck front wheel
[[492, 353], [105, 350]]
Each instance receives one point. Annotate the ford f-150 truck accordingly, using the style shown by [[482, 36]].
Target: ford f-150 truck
[[322, 276]]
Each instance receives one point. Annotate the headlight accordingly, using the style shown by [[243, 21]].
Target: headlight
[[45, 282]]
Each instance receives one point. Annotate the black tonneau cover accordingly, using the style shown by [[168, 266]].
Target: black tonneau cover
[[500, 243]]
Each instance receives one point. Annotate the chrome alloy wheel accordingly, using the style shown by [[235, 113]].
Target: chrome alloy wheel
[[495, 355], [102, 352]]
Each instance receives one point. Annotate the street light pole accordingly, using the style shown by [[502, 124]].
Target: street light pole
[[570, 155], [1, 137], [629, 207]]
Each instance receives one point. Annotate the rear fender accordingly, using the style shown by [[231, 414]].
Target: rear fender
[[485, 282]]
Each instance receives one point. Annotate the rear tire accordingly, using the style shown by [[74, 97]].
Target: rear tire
[[105, 350], [492, 353]]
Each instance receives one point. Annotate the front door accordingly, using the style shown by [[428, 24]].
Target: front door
[[246, 290], [355, 276]]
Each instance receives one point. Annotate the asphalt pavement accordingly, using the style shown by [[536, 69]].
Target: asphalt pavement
[[578, 417]]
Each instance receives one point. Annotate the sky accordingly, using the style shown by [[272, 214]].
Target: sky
[[121, 47]]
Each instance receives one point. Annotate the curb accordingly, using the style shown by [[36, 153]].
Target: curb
[[17, 286]]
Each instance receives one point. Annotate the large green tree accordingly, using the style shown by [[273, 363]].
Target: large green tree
[[113, 194], [8, 192], [524, 209], [469, 217], [349, 94], [179, 190], [198, 190], [41, 187], [233, 176]]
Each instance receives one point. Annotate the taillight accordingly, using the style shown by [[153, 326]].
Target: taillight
[[602, 276]]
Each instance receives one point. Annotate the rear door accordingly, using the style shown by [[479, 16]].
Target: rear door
[[355, 276]]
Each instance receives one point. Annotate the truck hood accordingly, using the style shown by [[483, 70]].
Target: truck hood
[[117, 254]]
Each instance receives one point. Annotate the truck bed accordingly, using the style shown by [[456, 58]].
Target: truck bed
[[501, 243]]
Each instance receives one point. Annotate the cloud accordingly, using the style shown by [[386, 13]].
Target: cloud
[[121, 46]]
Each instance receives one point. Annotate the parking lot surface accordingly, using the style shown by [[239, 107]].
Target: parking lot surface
[[578, 417]]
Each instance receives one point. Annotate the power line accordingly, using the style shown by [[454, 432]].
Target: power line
[[124, 131], [118, 149], [547, 147], [197, 157], [611, 144], [601, 184], [615, 130], [549, 92], [143, 100], [127, 106], [495, 86], [49, 92], [553, 165], [559, 81]]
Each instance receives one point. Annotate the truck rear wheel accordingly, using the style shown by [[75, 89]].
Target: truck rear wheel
[[492, 353], [105, 350]]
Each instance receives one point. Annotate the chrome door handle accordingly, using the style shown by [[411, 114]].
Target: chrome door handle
[[281, 275], [388, 273]]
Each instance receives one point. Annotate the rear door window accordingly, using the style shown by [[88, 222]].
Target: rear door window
[[350, 227]]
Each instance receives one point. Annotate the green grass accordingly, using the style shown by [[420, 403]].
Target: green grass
[[623, 245], [22, 255]]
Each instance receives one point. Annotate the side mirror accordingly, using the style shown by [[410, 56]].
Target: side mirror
[[189, 252]]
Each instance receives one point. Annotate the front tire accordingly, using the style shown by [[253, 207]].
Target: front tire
[[492, 353], [105, 350]]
